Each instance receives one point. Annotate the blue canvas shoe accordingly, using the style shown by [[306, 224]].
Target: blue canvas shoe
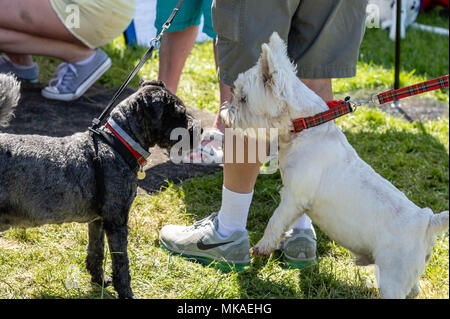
[[74, 80], [23, 73]]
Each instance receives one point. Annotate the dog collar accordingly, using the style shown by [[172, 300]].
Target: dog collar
[[134, 147], [336, 109]]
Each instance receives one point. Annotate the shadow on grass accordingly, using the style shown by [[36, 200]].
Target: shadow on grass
[[158, 175], [95, 292], [322, 283]]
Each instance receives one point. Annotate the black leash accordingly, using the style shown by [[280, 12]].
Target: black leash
[[99, 175], [154, 44], [97, 122]]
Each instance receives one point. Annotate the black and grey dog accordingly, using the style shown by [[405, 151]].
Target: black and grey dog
[[47, 180]]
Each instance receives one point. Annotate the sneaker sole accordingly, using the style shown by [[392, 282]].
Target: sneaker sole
[[299, 264], [32, 81], [29, 81], [83, 87], [222, 265]]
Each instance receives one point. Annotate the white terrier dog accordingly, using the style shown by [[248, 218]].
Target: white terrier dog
[[324, 177]]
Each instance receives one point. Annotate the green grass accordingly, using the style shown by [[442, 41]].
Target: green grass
[[37, 263]]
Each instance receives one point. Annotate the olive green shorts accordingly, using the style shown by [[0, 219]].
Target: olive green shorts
[[323, 36]]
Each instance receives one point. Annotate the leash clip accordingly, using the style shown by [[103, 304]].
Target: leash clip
[[95, 131], [352, 104], [356, 104], [156, 43], [95, 124], [371, 100]]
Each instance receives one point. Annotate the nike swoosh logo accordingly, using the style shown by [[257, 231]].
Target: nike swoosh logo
[[202, 246]]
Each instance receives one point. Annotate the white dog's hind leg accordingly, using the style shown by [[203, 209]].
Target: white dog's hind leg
[[414, 291], [395, 280], [283, 217]]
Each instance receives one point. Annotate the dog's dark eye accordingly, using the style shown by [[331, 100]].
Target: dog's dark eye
[[243, 99]]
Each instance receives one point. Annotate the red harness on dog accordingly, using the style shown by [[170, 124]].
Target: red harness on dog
[[339, 108]]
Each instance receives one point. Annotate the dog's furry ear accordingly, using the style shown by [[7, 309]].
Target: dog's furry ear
[[267, 67], [274, 60], [276, 70], [143, 83]]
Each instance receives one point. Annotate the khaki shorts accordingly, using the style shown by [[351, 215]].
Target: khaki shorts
[[100, 21], [323, 36]]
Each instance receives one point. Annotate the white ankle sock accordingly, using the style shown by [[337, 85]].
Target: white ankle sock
[[86, 61], [234, 212], [303, 222]]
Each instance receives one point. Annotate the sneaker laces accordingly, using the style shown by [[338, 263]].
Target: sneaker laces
[[66, 73], [201, 223]]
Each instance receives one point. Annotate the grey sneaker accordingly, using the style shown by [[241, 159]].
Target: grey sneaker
[[203, 243], [299, 248], [29, 74], [74, 80]]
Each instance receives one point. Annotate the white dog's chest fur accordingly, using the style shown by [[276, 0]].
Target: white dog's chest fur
[[343, 195]]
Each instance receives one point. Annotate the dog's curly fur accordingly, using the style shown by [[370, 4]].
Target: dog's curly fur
[[48, 180]]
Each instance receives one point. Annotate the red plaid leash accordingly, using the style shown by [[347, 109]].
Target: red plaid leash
[[340, 107], [419, 88]]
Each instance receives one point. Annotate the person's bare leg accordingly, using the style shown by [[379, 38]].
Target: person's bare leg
[[322, 87], [35, 17], [17, 44], [225, 93], [175, 48], [21, 59], [238, 177], [241, 178], [32, 27]]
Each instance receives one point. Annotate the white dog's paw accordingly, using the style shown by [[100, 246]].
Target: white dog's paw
[[261, 250]]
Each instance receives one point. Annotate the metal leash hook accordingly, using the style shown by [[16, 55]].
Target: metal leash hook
[[156, 43], [355, 104]]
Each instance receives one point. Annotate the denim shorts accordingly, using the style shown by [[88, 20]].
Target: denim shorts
[[189, 14], [323, 36]]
